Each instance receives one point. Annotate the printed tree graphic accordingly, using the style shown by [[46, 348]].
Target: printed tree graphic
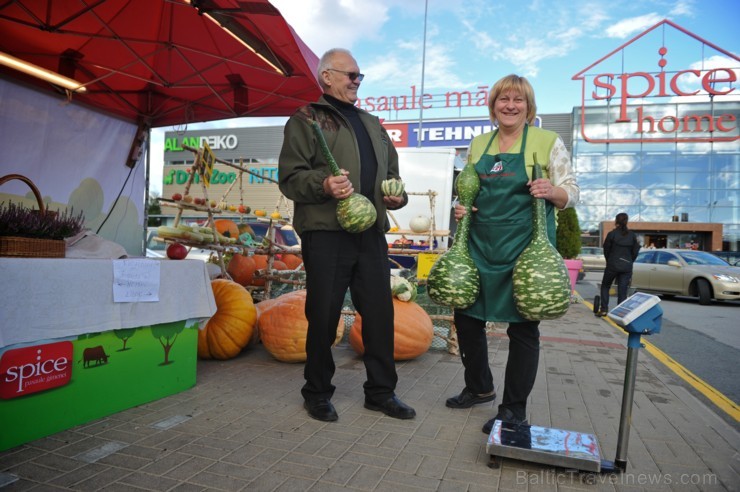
[[167, 333], [124, 334]]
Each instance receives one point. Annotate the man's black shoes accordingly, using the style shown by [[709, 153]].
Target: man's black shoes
[[321, 409], [504, 415], [467, 399], [392, 407]]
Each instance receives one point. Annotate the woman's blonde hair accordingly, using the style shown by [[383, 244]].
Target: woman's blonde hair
[[519, 85]]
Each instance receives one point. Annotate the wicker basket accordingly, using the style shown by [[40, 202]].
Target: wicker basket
[[26, 247]]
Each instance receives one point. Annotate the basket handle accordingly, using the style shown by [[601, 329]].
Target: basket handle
[[36, 193]]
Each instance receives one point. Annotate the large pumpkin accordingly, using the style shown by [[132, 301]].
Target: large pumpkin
[[227, 227], [283, 326], [233, 326], [413, 328], [241, 268]]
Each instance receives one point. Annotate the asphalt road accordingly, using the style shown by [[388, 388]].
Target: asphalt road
[[703, 339]]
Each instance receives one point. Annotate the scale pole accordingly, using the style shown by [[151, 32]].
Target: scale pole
[[628, 396]]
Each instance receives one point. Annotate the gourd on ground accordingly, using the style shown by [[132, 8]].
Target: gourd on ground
[[454, 279], [283, 326], [234, 325], [355, 213], [413, 331], [540, 279]]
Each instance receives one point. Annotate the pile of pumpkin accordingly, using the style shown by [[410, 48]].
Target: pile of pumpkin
[[281, 324]]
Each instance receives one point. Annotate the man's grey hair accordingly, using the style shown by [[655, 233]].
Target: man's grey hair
[[326, 59]]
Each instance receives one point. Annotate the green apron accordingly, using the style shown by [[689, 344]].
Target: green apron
[[500, 230]]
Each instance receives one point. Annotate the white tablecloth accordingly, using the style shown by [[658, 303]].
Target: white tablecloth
[[47, 298]]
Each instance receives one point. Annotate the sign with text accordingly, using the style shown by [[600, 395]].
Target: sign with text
[[447, 133], [646, 106], [28, 370]]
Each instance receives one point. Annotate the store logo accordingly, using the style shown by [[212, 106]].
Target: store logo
[[636, 121], [28, 370]]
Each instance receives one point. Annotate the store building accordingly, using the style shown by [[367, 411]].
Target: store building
[[662, 146]]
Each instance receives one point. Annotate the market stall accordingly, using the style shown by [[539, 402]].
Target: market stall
[[72, 351]]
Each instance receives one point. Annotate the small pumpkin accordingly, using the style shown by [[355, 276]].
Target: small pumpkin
[[227, 227], [241, 269], [291, 261], [420, 223], [234, 325], [260, 263], [283, 326], [413, 330]]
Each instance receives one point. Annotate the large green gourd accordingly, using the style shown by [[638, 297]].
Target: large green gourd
[[540, 278], [355, 213], [454, 279]]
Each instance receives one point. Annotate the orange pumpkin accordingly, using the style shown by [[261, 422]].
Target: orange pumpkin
[[292, 261], [283, 326], [279, 265], [413, 328], [260, 263], [234, 325], [241, 269], [227, 227]]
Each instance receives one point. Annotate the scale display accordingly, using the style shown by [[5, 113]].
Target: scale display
[[632, 308]]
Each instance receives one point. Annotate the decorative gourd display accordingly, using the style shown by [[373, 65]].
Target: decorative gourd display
[[355, 213], [420, 223], [402, 289], [234, 325], [454, 279], [392, 187], [241, 269], [227, 227], [413, 330], [540, 278], [283, 326]]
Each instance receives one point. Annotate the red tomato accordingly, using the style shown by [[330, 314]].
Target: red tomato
[[176, 251]]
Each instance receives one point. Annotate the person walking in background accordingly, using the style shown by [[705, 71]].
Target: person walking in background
[[620, 249], [334, 259], [500, 229]]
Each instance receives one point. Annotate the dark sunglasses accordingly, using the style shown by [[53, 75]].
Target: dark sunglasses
[[352, 75]]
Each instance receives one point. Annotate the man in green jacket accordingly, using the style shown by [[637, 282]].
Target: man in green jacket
[[333, 258]]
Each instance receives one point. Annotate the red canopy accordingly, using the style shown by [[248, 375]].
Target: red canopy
[[165, 62]]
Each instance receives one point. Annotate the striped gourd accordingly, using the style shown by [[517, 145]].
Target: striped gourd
[[355, 213], [454, 279], [540, 278], [392, 187]]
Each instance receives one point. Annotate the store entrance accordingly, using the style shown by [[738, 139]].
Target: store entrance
[[656, 240]]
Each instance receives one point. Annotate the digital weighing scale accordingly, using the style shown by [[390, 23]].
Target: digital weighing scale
[[638, 315]]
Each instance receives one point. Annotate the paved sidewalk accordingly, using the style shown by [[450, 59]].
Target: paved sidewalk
[[242, 427]]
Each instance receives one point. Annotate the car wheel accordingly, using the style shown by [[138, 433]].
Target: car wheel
[[705, 292]]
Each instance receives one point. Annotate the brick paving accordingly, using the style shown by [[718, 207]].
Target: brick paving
[[243, 427]]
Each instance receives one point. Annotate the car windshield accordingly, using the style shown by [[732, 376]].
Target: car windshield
[[701, 258], [153, 244]]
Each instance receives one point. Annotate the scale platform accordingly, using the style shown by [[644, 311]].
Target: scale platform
[[556, 447]]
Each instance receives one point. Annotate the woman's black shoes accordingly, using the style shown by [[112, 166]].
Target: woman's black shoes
[[467, 399]]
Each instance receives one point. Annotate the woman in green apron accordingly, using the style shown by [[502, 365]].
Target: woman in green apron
[[501, 228]]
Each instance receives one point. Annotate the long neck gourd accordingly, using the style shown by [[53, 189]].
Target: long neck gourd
[[454, 279], [540, 279], [355, 213]]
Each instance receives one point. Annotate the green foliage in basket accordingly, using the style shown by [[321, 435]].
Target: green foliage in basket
[[17, 220]]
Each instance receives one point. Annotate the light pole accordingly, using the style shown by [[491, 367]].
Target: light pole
[[423, 60]]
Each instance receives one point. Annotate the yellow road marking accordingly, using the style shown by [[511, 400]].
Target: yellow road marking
[[716, 397]]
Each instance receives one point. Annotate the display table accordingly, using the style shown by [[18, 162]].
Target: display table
[[69, 354]]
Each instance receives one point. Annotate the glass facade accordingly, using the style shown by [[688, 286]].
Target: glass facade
[[654, 179]]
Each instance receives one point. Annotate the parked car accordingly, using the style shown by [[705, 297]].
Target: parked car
[[681, 272], [593, 258], [284, 235], [731, 257]]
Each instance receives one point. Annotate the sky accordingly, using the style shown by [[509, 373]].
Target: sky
[[468, 44]]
